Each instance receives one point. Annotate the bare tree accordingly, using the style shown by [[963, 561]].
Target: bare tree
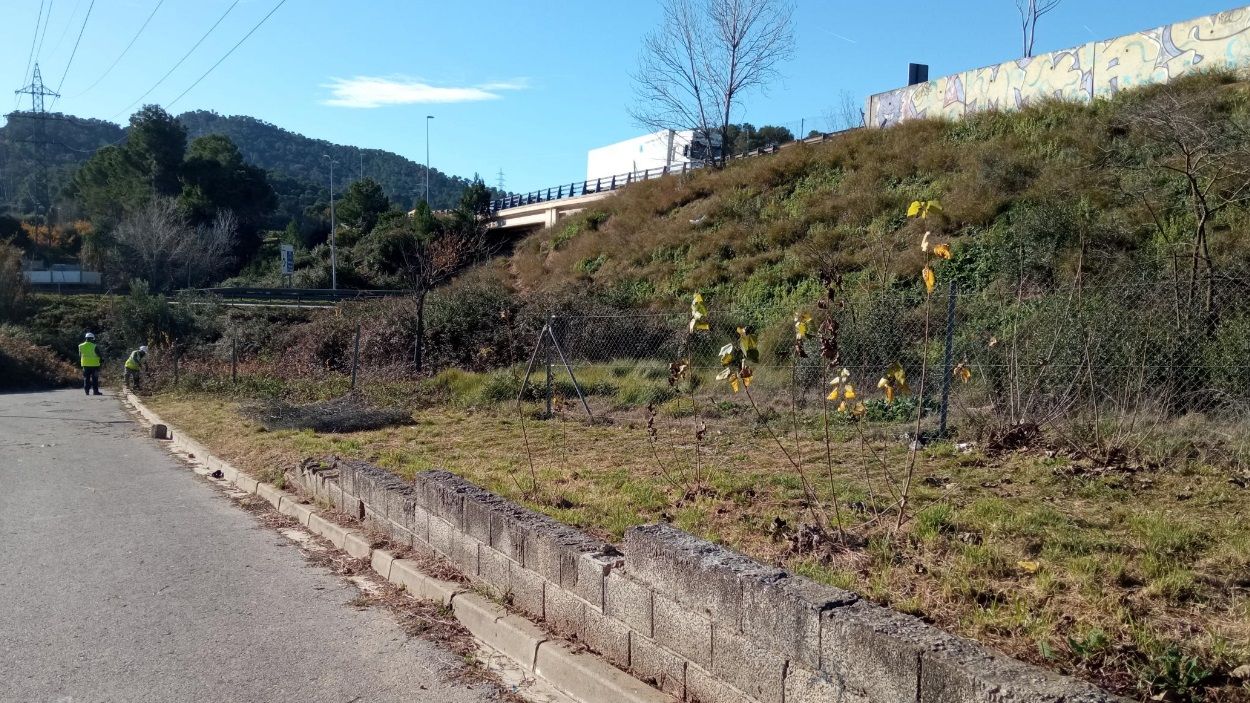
[[1030, 12], [695, 69], [847, 114], [210, 252], [1189, 143], [157, 245]]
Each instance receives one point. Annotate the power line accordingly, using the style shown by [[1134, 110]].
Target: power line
[[31, 57], [123, 54], [240, 42], [180, 61], [65, 30], [46, 21], [74, 53]]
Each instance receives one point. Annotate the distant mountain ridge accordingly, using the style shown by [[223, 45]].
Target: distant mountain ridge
[[276, 149], [63, 142]]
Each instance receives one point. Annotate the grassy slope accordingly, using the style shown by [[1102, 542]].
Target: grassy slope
[[1019, 190]]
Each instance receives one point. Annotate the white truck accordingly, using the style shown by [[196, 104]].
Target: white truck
[[648, 155]]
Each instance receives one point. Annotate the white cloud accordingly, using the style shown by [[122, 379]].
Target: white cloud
[[376, 91]]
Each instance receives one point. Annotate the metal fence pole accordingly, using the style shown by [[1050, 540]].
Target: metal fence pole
[[234, 361], [356, 356], [551, 321], [947, 358]]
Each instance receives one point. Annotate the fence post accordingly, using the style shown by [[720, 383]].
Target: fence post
[[947, 358], [356, 356], [551, 330], [234, 361]]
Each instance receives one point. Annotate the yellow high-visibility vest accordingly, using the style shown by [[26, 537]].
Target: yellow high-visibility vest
[[132, 361], [88, 356]]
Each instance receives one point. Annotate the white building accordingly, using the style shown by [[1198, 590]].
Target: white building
[[650, 152]]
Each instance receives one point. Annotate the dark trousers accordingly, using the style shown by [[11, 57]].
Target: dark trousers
[[91, 379]]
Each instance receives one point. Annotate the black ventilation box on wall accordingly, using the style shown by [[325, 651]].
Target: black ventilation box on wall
[[917, 73]]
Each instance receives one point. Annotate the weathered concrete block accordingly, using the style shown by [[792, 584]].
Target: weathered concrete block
[[477, 515], [592, 569], [657, 666], [685, 631], [493, 570], [875, 651], [507, 531], [420, 524], [160, 432], [400, 536], [693, 571], [553, 550], [464, 554], [565, 612], [703, 687], [785, 613], [758, 671], [527, 590], [443, 537], [444, 495], [606, 636], [956, 669], [629, 601], [803, 686], [399, 505]]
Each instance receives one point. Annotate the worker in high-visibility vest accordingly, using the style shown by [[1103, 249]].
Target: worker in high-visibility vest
[[89, 357], [134, 367]]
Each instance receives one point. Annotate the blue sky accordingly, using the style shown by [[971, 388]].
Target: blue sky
[[522, 85]]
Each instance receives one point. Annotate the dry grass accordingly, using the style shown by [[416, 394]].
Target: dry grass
[[1137, 573]]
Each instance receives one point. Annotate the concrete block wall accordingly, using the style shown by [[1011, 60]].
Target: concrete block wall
[[694, 619]]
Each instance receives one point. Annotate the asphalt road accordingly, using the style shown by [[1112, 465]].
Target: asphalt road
[[124, 577]]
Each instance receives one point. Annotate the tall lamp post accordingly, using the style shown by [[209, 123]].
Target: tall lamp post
[[334, 275], [427, 159]]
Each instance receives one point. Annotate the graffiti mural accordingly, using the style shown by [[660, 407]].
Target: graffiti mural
[[1096, 69]]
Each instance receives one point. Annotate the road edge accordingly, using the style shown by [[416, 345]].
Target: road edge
[[580, 675]]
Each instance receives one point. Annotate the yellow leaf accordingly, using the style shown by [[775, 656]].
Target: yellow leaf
[[841, 406], [889, 394], [848, 392], [801, 322], [929, 279], [833, 394], [962, 372], [1028, 567], [924, 243], [724, 374], [914, 208], [942, 251], [935, 205], [860, 410], [726, 355], [733, 383]]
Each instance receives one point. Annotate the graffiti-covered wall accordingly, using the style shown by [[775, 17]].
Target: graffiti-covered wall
[[1095, 69]]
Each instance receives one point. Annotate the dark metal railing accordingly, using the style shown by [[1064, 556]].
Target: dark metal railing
[[608, 184]]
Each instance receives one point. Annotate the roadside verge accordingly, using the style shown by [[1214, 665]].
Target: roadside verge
[[580, 675]]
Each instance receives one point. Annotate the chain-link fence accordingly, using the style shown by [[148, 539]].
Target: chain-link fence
[[1137, 351]]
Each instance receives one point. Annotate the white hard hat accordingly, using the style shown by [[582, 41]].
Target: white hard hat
[[143, 348], [90, 336]]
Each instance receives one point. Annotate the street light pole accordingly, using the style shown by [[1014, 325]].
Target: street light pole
[[334, 276], [427, 159]]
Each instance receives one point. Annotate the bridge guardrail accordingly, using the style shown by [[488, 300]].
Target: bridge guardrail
[[610, 183]]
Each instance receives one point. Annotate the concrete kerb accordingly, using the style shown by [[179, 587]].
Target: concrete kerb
[[581, 675]]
